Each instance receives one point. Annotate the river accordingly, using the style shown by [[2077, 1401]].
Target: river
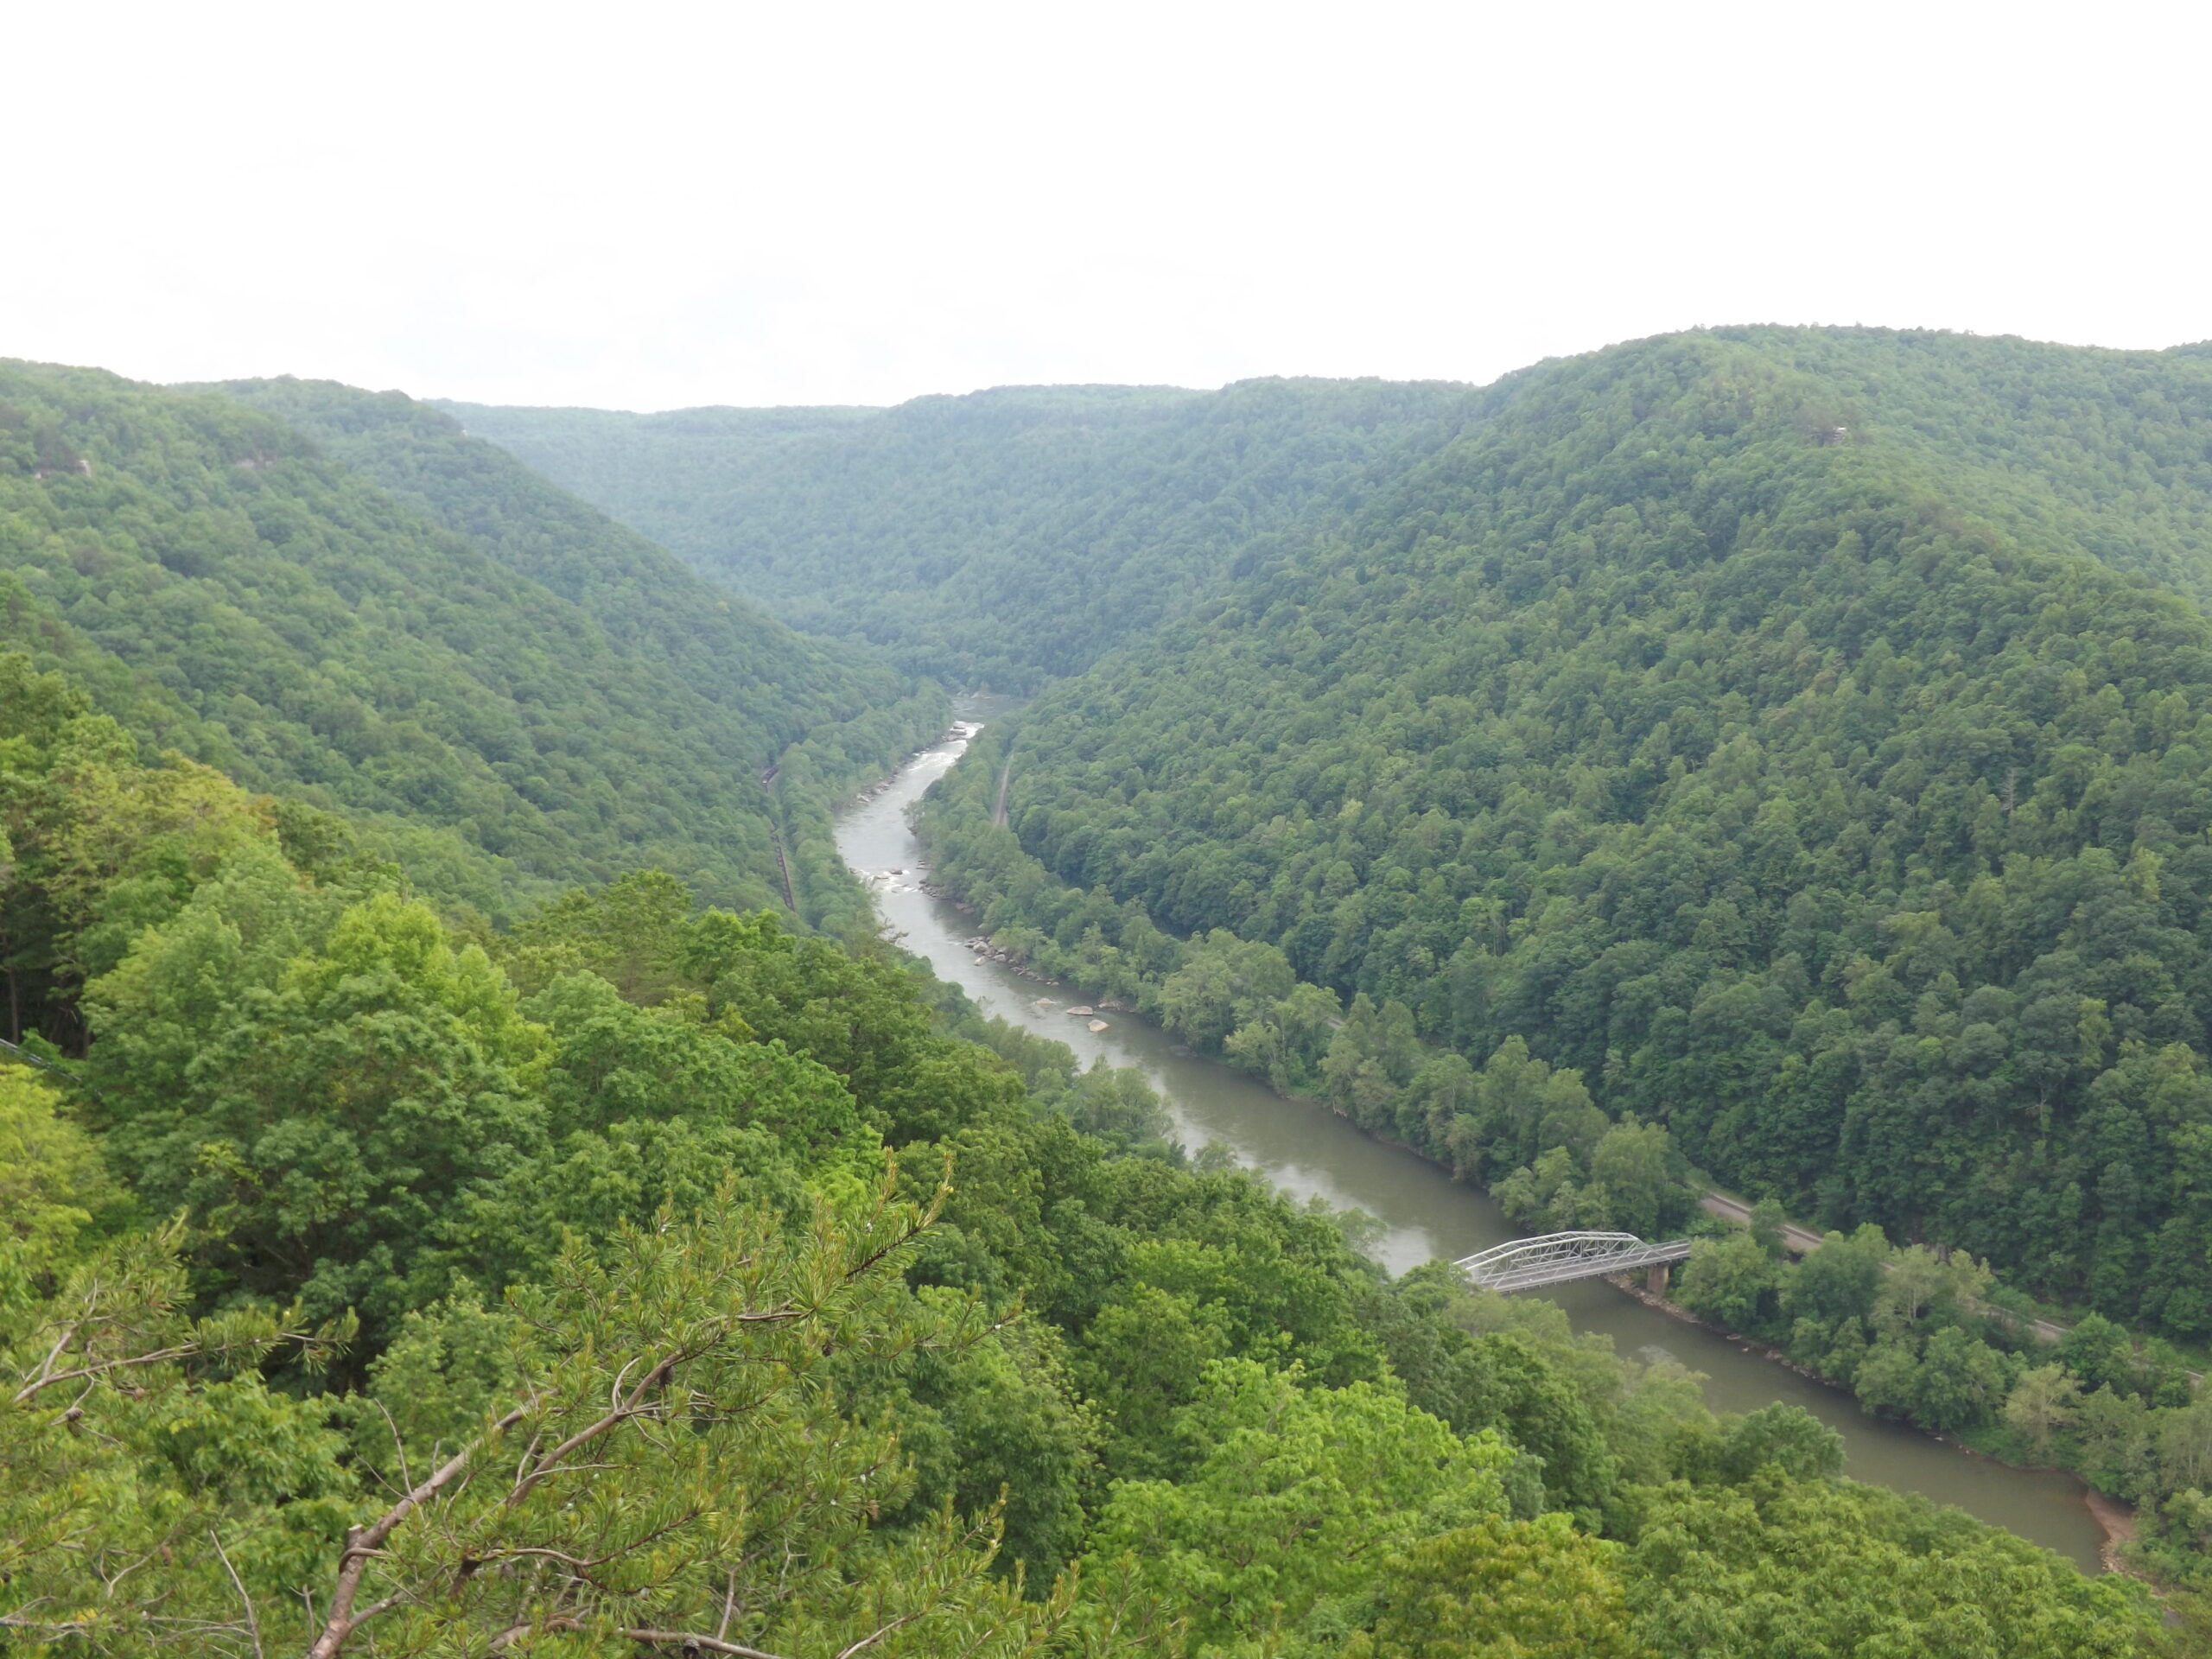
[[1307, 1151]]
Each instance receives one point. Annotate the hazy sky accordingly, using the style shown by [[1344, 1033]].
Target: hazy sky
[[646, 207]]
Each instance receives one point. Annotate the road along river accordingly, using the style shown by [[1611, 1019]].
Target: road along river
[[1306, 1151]]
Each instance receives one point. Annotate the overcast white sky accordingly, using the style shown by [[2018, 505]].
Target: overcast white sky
[[646, 207]]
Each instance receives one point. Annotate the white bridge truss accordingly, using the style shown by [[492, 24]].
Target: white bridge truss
[[1561, 1258]]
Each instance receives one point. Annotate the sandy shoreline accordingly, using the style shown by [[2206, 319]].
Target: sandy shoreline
[[2117, 1520]]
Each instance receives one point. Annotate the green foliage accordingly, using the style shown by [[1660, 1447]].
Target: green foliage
[[705, 1339], [324, 1121], [612, 1062], [1755, 725], [52, 1183], [1918, 1337], [996, 1426], [1732, 1280], [637, 1454], [1786, 1437], [451, 1368], [1822, 1570], [144, 1461], [713, 648], [1768, 1222], [1840, 1281], [2042, 1400], [1537, 1589], [98, 845], [581, 1236], [727, 678], [857, 1015], [504, 689], [992, 539], [1291, 1491]]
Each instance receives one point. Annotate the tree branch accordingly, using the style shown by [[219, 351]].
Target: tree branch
[[870, 1641], [43, 1379], [252, 1622], [691, 1639], [621, 1414], [364, 1542], [38, 1385]]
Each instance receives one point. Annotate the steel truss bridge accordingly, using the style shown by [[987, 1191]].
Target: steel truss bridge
[[1561, 1258]]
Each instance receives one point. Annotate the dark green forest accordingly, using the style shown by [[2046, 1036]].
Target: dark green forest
[[476, 1182], [649, 1278], [995, 540], [466, 661], [1797, 788]]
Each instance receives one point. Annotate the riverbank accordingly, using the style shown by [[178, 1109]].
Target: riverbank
[[2114, 1519], [2118, 1519], [1307, 1151]]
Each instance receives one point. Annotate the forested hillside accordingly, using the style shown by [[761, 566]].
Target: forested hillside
[[505, 690], [651, 1280], [998, 539], [1752, 749], [647, 601], [1779, 732]]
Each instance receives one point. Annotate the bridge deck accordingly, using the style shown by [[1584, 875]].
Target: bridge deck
[[1562, 1258]]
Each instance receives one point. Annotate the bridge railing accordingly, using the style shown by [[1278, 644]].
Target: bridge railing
[[1561, 1258]]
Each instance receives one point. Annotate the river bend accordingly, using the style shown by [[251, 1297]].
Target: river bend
[[1307, 1151]]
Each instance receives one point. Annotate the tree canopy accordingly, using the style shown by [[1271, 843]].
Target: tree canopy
[[654, 1278], [1752, 728], [474, 674], [994, 540], [451, 1204]]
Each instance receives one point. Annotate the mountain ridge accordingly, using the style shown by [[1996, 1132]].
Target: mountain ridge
[[338, 644], [1000, 537], [1718, 755]]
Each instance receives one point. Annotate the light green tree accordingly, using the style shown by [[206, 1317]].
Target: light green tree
[[1962, 1382], [653, 1464], [52, 1180], [2043, 1402], [1788, 1437], [2185, 1443], [1503, 1590], [154, 1492], [1914, 1284], [319, 1131], [2115, 1437], [1295, 1493], [1635, 1163], [1824, 1570], [1839, 1281], [1888, 1378], [1729, 1279]]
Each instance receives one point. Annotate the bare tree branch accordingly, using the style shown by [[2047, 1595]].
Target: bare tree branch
[[691, 1639], [252, 1622], [398, 1447], [870, 1641], [362, 1543], [614, 1419]]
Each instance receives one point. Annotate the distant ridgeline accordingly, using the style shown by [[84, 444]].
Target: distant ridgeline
[[643, 1278], [998, 539], [342, 598], [1804, 737]]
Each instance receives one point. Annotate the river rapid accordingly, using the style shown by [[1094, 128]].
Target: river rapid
[[1306, 1151]]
